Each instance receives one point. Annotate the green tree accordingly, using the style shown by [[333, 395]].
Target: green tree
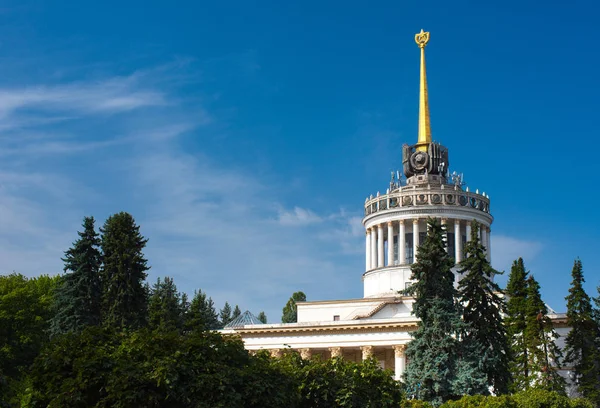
[[539, 335], [124, 296], [290, 310], [25, 312], [482, 312], [262, 317], [339, 383], [515, 321], [225, 315], [166, 307], [201, 313], [77, 298], [439, 364], [236, 312], [581, 347]]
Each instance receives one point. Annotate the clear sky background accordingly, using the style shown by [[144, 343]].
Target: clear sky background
[[244, 136]]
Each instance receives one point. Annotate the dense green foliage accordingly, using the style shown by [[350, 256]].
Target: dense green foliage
[[482, 312], [540, 336], [339, 383], [201, 314], [441, 365], [124, 296], [582, 348], [166, 309], [290, 310], [225, 315], [533, 398], [515, 321], [25, 313], [77, 299], [262, 317]]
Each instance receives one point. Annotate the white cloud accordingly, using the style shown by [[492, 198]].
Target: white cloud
[[507, 249], [298, 217]]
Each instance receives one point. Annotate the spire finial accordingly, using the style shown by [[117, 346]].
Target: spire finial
[[422, 39]]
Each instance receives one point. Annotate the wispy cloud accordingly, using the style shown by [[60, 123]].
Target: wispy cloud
[[507, 249], [211, 225]]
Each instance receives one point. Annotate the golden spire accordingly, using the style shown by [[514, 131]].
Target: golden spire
[[422, 39]]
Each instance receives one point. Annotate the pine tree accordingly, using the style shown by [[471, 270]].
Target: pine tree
[[236, 313], [225, 315], [290, 310], [124, 297], [482, 312], [539, 336], [262, 317], [77, 299], [440, 367], [515, 321], [201, 313], [166, 306], [581, 347]]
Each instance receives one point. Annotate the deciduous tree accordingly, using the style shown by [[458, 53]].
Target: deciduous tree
[[290, 310]]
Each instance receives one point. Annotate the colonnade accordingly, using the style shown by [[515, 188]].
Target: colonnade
[[379, 235], [367, 352]]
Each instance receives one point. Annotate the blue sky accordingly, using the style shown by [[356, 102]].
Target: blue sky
[[245, 136]]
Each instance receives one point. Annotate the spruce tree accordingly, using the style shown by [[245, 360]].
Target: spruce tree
[[166, 306], [201, 313], [262, 317], [482, 312], [290, 310], [236, 313], [77, 298], [124, 296], [225, 315], [440, 368], [515, 321], [581, 347], [539, 336]]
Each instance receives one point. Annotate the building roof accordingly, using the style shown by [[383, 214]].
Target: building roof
[[242, 320]]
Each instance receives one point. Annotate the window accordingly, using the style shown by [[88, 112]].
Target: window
[[408, 248], [336, 318], [451, 246]]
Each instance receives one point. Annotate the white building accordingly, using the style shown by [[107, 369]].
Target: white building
[[380, 323]]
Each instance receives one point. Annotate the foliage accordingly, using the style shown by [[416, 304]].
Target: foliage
[[201, 314], [340, 383], [440, 366], [515, 321], [581, 345], [25, 311], [236, 313], [77, 299], [539, 335], [225, 315], [532, 398], [290, 310], [124, 297], [104, 368], [262, 317], [166, 308], [482, 312]]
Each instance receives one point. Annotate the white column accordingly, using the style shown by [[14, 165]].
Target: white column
[[368, 249], [445, 224], [399, 361], [401, 244], [373, 248], [367, 352], [489, 245], [415, 239], [457, 242], [380, 256], [468, 231], [390, 239]]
